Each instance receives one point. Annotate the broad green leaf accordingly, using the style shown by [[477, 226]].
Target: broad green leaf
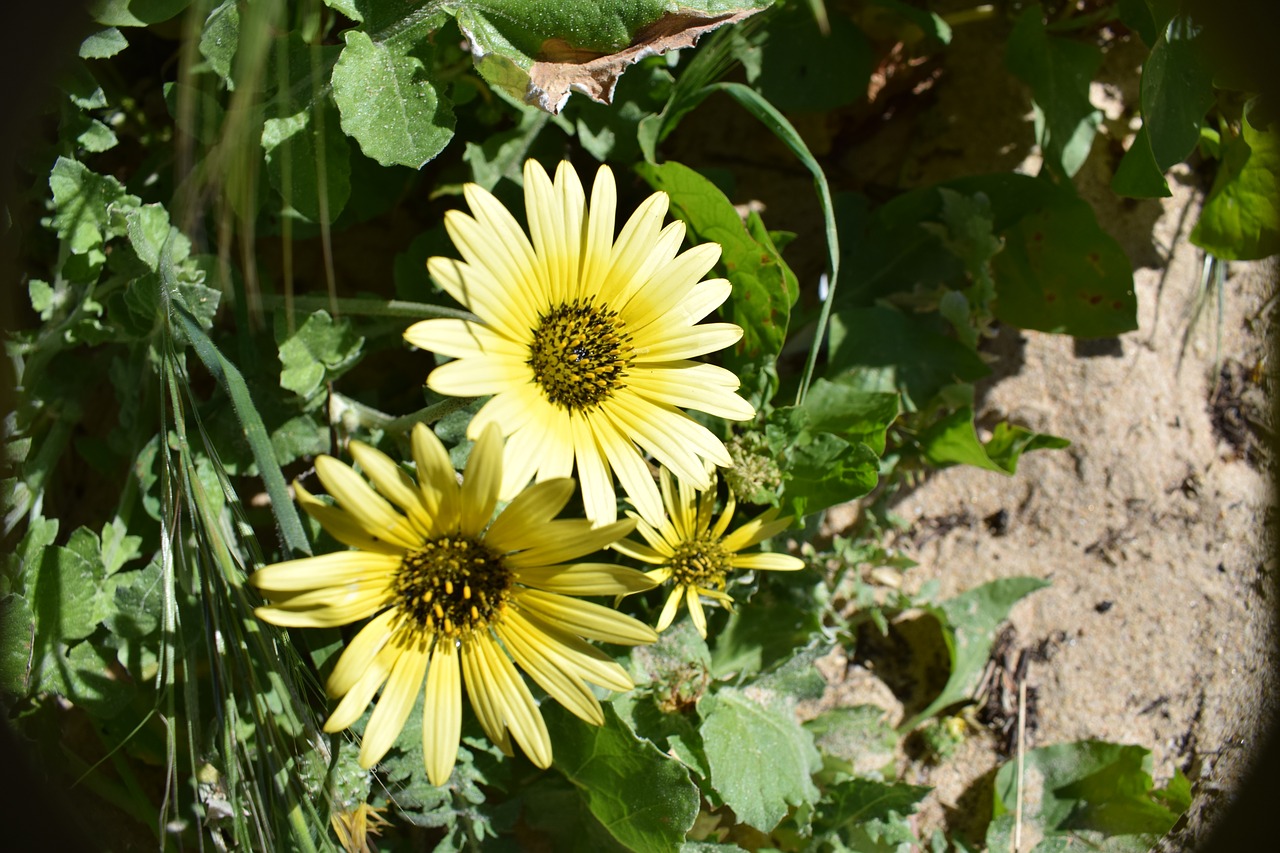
[[88, 675], [103, 44], [910, 350], [320, 349], [803, 68], [195, 111], [350, 8], [23, 564], [763, 286], [95, 137], [968, 626], [1136, 15], [643, 798], [782, 615], [135, 13], [389, 104], [118, 546], [866, 801], [136, 601], [220, 38], [1059, 272], [502, 154], [68, 597], [1177, 91], [1240, 220], [826, 470], [1091, 793], [308, 158], [855, 740], [953, 440], [761, 758], [850, 412], [82, 199], [1059, 72], [82, 88], [299, 437], [17, 644]]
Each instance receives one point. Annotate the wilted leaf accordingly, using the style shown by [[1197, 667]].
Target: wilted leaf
[[539, 52]]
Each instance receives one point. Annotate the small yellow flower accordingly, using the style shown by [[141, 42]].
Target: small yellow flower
[[585, 341], [457, 597], [354, 827], [695, 555]]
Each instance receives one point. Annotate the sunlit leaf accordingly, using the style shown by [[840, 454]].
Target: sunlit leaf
[[1241, 217], [952, 440]]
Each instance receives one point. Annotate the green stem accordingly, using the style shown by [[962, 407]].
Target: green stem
[[985, 12], [372, 418], [368, 307]]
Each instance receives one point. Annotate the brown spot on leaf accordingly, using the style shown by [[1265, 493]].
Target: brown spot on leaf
[[1051, 297], [1118, 305], [1095, 299]]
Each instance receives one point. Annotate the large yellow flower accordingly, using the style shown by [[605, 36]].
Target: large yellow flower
[[455, 598], [695, 555], [584, 340]]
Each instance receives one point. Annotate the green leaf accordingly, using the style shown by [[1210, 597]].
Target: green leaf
[[81, 199], [866, 801], [88, 675], [308, 158], [388, 103], [644, 799], [67, 597], [1059, 272], [1090, 791], [319, 350], [910, 351], [851, 413], [953, 440], [502, 154], [821, 470], [763, 286], [103, 44], [858, 740], [761, 758], [1177, 91], [803, 68], [968, 626], [93, 136], [782, 616], [136, 601], [118, 546], [135, 13], [195, 111], [220, 38], [17, 642], [1240, 220], [1059, 72]]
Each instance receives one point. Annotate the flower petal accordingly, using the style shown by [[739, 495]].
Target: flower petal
[[574, 655], [565, 687], [598, 498], [512, 696], [393, 483], [568, 539], [695, 610], [461, 339], [755, 531], [437, 480], [585, 579], [357, 699], [636, 551], [670, 342], [360, 653], [366, 506], [629, 465], [766, 561], [340, 525], [669, 609], [481, 480], [394, 705], [532, 508], [476, 289], [328, 570], [442, 713], [480, 691], [477, 377], [585, 618], [597, 248], [669, 286], [326, 608]]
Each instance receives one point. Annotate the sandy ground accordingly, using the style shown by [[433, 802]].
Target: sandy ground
[[1159, 626]]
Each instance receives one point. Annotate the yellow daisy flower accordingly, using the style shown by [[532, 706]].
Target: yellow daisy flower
[[696, 555], [455, 598], [584, 340]]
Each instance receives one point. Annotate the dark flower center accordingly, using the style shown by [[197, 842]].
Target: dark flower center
[[701, 562], [452, 586], [580, 353]]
